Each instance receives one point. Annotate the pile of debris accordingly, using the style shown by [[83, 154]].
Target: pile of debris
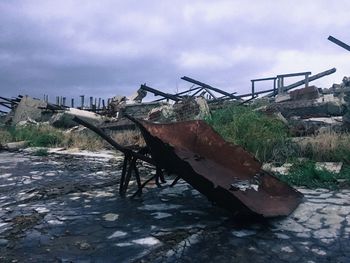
[[306, 111], [313, 110]]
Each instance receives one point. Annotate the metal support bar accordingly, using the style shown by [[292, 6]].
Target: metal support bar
[[206, 86], [117, 146], [294, 74], [339, 43], [160, 93], [309, 79]]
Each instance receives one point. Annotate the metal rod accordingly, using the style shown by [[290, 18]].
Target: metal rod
[[160, 93], [209, 87], [339, 43], [117, 146]]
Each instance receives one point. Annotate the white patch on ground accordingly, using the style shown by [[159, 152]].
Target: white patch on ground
[[319, 251], [147, 241], [3, 224], [243, 233], [160, 215], [55, 222], [159, 207], [74, 198], [103, 194], [287, 249], [6, 185], [110, 217], [50, 174], [282, 236], [117, 234], [6, 175], [124, 244], [42, 210]]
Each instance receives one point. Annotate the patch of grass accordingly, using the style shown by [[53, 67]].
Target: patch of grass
[[38, 136], [84, 141], [128, 138], [5, 136], [304, 173], [265, 137], [332, 147]]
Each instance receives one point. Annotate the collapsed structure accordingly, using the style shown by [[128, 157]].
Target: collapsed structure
[[225, 173]]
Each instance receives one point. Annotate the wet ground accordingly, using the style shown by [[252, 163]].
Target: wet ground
[[64, 208]]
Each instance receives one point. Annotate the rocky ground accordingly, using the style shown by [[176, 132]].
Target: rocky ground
[[65, 208]]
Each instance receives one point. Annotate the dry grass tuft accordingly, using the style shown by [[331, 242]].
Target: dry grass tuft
[[83, 141], [128, 138], [5, 136], [327, 147]]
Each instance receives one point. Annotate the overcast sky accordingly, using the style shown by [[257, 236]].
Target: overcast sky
[[106, 48]]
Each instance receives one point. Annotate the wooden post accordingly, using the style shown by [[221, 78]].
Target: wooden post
[[306, 80], [72, 103], [82, 102], [91, 100]]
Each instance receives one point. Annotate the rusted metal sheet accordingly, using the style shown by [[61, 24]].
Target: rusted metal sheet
[[225, 173]]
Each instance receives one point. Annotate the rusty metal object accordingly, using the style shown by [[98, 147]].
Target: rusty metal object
[[225, 173]]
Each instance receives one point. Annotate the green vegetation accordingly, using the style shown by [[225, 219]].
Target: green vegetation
[[265, 137], [38, 136], [304, 173], [269, 140], [331, 147], [5, 136]]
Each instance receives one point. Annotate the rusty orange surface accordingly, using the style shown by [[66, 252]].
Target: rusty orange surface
[[226, 173]]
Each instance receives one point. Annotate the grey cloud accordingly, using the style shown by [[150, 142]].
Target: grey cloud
[[109, 47]]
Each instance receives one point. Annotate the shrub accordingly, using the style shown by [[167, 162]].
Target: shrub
[[38, 136], [327, 147], [84, 141], [5, 136], [265, 137], [304, 173]]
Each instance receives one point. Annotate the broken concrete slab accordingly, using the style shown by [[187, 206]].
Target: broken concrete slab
[[282, 97], [307, 93], [15, 146], [333, 167], [29, 108], [321, 107], [64, 119]]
